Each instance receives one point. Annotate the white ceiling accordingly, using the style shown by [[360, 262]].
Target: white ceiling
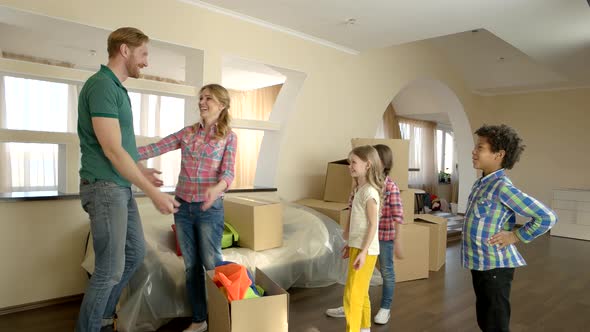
[[520, 45], [545, 43]]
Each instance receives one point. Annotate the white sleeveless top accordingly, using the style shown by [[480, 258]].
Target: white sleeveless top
[[359, 222]]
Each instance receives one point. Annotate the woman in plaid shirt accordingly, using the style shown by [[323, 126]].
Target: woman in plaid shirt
[[391, 217], [207, 170]]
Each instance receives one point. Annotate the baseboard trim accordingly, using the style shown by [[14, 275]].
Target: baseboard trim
[[40, 304]]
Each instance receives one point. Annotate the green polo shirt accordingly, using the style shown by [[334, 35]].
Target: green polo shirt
[[103, 95]]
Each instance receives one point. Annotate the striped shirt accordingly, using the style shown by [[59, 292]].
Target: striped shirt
[[492, 206], [205, 160], [392, 211]]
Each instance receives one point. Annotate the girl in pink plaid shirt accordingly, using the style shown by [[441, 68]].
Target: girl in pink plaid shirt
[[207, 170]]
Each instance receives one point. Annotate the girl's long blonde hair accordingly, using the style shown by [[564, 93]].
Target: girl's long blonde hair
[[221, 94], [374, 175]]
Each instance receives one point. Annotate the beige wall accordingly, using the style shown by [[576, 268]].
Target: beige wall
[[343, 96], [41, 248], [555, 128]]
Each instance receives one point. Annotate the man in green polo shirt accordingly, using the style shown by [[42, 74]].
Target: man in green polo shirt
[[109, 167]]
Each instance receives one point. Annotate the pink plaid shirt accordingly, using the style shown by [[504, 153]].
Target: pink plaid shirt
[[205, 159], [392, 211]]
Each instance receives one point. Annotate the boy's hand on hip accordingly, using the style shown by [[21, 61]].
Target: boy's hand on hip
[[503, 239]]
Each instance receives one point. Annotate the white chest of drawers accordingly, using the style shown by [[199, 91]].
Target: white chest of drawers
[[573, 210]]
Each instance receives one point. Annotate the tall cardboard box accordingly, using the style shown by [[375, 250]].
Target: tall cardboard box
[[415, 241], [258, 222], [338, 183], [401, 154], [438, 239], [338, 212], [408, 203], [269, 313]]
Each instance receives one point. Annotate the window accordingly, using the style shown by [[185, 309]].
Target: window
[[36, 105], [32, 166], [421, 158], [254, 104], [445, 144], [159, 116]]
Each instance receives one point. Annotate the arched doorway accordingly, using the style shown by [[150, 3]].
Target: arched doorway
[[432, 97]]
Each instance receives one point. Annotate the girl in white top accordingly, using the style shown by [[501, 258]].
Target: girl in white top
[[361, 233]]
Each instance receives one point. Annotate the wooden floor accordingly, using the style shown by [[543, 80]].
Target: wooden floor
[[552, 293]]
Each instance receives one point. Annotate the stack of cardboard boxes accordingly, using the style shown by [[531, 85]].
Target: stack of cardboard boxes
[[423, 244]]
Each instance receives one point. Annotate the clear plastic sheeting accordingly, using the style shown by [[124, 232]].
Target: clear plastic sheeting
[[310, 257]]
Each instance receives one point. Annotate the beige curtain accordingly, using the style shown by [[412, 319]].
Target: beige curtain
[[390, 123], [422, 152], [251, 105]]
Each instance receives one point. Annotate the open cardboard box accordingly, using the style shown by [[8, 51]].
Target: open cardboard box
[[269, 313], [438, 239]]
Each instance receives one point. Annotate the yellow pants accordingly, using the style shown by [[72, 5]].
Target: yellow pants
[[357, 305]]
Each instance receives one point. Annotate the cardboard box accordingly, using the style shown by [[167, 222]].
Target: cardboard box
[[438, 239], [401, 154], [338, 212], [415, 241], [269, 313], [258, 222], [408, 203], [338, 183]]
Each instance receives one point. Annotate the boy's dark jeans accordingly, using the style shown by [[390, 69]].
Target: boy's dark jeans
[[492, 293]]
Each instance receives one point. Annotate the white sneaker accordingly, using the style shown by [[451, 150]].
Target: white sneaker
[[202, 328], [366, 329], [336, 312], [382, 317]]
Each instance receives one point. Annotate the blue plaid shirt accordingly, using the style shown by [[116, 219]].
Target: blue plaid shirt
[[491, 209]]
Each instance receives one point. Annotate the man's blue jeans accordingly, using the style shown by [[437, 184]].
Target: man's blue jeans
[[387, 272], [119, 249], [199, 235]]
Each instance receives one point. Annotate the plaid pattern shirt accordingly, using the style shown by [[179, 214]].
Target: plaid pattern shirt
[[491, 208], [205, 159], [392, 211]]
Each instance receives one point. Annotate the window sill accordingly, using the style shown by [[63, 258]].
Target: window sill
[[56, 195]]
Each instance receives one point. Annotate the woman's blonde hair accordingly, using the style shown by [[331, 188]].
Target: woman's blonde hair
[[220, 93], [374, 175]]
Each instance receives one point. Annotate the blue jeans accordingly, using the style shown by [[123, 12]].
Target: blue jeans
[[119, 249], [199, 235], [387, 272]]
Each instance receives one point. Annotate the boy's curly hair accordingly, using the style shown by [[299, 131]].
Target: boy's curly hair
[[504, 138]]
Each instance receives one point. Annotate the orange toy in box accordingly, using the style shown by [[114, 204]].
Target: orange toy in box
[[234, 278]]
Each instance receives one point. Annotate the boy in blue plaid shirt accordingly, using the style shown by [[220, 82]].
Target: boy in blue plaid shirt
[[489, 235]]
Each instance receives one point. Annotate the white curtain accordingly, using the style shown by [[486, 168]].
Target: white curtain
[[5, 177], [422, 152], [28, 104], [159, 116]]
